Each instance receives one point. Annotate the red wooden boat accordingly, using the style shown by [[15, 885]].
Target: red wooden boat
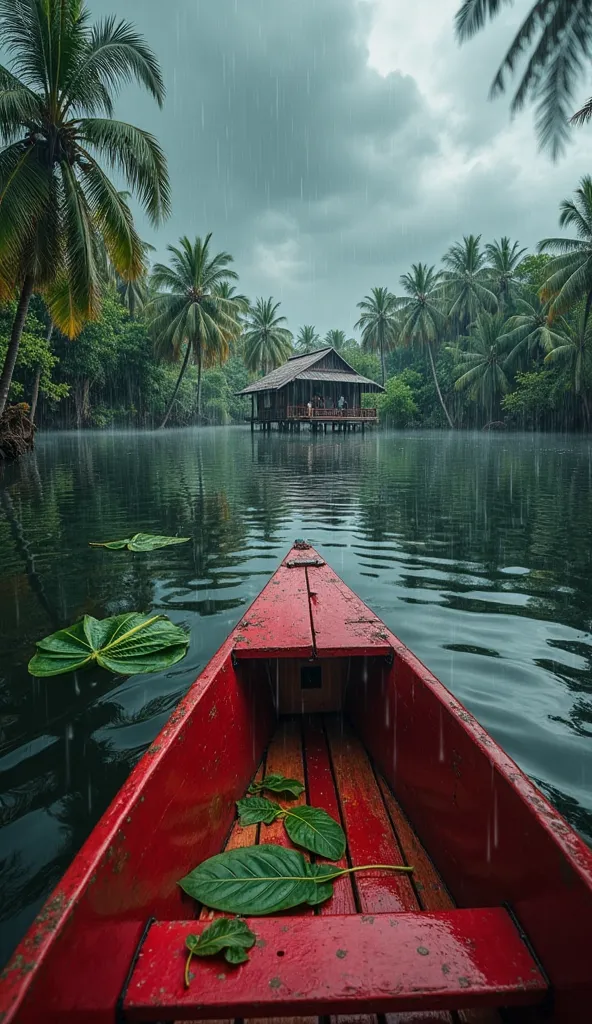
[[494, 923]]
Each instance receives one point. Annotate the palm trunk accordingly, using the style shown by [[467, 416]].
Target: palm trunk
[[177, 386], [586, 409], [382, 361], [15, 340], [588, 307], [199, 384], [35, 395], [82, 401], [434, 375], [35, 392]]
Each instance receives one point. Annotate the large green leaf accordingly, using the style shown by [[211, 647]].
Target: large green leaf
[[310, 827], [140, 542], [257, 809], [324, 889], [315, 830], [278, 784], [128, 644], [257, 880]]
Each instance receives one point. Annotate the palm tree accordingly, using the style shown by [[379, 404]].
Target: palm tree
[[267, 343], [307, 340], [505, 261], [335, 339], [57, 204], [481, 364], [189, 312], [569, 275], [531, 330], [466, 282], [574, 350], [555, 39], [134, 294], [378, 323], [424, 319], [226, 290], [241, 304]]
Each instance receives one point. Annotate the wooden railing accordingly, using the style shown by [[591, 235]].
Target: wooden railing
[[302, 412]]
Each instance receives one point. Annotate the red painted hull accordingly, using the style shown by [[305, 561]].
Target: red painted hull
[[491, 835]]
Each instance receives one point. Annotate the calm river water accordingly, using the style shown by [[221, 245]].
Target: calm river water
[[476, 550]]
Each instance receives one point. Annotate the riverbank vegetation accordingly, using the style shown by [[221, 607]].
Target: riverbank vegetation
[[494, 337], [95, 333]]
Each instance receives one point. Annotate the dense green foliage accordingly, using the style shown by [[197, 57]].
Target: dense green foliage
[[477, 343], [90, 336], [61, 217]]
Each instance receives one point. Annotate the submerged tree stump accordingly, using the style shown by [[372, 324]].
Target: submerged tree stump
[[17, 432]]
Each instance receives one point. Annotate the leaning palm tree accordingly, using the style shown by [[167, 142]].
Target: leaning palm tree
[[574, 351], [188, 313], [267, 343], [552, 46], [481, 365], [505, 260], [466, 282], [307, 340], [378, 323], [531, 331], [57, 203], [423, 316], [569, 275]]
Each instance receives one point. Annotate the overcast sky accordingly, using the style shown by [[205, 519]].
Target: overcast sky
[[328, 144]]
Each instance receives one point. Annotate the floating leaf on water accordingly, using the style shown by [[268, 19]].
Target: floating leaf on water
[[149, 541], [231, 935], [256, 880], [256, 809], [278, 784], [315, 830], [129, 644], [113, 545], [140, 542]]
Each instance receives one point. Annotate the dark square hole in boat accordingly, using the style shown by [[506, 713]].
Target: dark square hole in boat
[[311, 677]]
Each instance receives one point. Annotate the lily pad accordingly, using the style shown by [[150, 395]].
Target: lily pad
[[140, 542], [129, 644]]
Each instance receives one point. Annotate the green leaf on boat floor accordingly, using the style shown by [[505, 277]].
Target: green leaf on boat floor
[[257, 880], [315, 830], [278, 784], [310, 827], [140, 542], [231, 935], [256, 809], [129, 644]]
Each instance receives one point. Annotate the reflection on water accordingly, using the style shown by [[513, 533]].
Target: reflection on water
[[476, 550]]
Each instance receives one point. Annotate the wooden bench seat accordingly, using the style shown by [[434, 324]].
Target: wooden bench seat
[[349, 963]]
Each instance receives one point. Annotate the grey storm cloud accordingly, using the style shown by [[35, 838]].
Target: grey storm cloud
[[321, 175]]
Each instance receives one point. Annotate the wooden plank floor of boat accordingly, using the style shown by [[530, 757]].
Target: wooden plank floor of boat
[[325, 753]]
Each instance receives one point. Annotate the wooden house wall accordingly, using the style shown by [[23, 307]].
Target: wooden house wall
[[274, 404]]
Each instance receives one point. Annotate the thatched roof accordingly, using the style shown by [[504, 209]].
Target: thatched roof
[[303, 368]]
